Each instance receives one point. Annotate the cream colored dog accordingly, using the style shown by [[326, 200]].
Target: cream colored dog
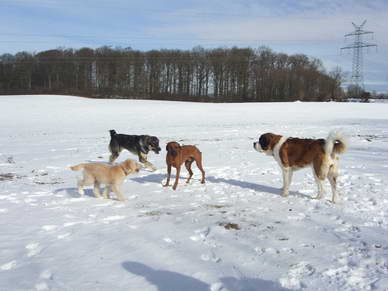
[[100, 173]]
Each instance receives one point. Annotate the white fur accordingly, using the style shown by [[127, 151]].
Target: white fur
[[331, 139], [276, 150], [287, 172]]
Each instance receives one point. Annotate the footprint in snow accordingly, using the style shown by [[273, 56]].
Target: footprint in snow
[[200, 234], [270, 251], [210, 257], [296, 274]]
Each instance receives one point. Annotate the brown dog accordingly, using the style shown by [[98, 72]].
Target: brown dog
[[177, 155], [111, 176]]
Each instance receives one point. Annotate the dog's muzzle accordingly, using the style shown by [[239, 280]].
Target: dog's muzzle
[[257, 146], [157, 150]]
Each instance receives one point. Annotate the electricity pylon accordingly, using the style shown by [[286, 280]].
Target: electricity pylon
[[357, 46]]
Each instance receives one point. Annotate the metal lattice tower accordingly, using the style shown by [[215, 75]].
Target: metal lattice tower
[[357, 79]]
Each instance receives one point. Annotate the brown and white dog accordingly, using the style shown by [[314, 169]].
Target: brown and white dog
[[177, 155], [295, 153]]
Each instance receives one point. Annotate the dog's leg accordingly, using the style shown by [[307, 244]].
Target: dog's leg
[[287, 175], [199, 165], [290, 173], [320, 187], [81, 184], [143, 159], [106, 192], [96, 189], [113, 157], [117, 191], [168, 176], [178, 170], [332, 176], [188, 167]]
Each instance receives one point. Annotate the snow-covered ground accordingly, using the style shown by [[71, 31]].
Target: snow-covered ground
[[233, 233]]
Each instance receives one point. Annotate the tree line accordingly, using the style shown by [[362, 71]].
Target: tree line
[[214, 75]]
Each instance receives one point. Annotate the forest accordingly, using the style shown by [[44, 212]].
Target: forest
[[206, 75]]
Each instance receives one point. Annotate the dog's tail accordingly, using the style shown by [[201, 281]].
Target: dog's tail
[[112, 132], [336, 143], [77, 167]]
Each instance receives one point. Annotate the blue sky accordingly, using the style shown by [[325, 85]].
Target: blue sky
[[312, 27]]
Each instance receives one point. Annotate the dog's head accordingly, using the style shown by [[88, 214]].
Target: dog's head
[[173, 148], [266, 143], [131, 166], [152, 143]]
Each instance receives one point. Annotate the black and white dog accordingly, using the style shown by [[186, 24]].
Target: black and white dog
[[139, 145]]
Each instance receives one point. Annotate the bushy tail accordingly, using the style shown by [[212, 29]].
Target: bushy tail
[[77, 167], [336, 143], [112, 132]]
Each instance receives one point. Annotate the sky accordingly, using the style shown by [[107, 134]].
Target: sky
[[312, 27]]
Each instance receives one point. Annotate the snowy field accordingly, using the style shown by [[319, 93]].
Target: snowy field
[[233, 233]]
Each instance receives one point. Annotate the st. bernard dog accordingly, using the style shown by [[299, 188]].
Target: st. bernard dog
[[296, 153]]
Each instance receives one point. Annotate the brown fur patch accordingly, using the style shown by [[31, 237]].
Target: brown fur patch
[[297, 152]]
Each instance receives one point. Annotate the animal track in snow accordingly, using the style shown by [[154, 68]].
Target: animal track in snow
[[295, 275], [210, 257], [201, 234]]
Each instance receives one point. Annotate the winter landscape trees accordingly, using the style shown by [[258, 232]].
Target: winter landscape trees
[[215, 75]]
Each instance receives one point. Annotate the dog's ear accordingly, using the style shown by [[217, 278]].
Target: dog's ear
[[264, 141], [172, 148], [154, 140], [112, 132]]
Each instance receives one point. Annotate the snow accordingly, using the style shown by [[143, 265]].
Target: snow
[[233, 233]]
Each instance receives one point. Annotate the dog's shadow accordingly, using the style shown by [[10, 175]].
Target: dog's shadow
[[73, 192], [158, 179], [253, 186], [152, 178]]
